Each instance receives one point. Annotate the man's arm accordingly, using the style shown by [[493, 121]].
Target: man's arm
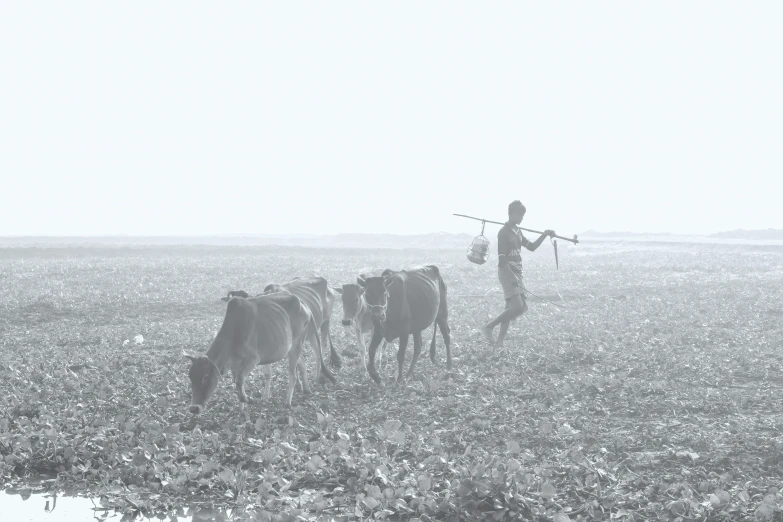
[[537, 243]]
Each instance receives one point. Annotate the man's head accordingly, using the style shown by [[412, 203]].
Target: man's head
[[516, 211]]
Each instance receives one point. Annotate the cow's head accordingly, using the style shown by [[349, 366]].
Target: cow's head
[[273, 288], [376, 293], [352, 301], [204, 377], [235, 293]]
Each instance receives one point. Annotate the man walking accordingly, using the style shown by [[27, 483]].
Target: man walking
[[510, 242]]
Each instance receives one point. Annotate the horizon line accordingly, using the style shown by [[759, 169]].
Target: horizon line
[[312, 235]]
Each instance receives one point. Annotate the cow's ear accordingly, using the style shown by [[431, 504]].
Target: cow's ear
[[226, 299], [337, 290], [186, 356], [361, 279]]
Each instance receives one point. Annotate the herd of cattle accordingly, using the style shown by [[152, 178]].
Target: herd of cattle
[[274, 325]]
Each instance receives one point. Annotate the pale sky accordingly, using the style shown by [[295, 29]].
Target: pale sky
[[326, 117]]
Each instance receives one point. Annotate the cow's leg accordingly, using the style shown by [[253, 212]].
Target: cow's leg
[[322, 372], [293, 360], [443, 322], [385, 352], [377, 336], [360, 343], [313, 339], [416, 352], [268, 377], [432, 344], [239, 379], [401, 357], [334, 357], [302, 370]]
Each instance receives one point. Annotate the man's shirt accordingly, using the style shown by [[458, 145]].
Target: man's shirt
[[510, 243]]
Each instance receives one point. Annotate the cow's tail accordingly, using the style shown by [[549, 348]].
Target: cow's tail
[[334, 357], [443, 314], [432, 344]]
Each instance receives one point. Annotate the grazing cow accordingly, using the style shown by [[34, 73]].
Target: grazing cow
[[404, 303], [356, 313], [318, 296], [256, 330]]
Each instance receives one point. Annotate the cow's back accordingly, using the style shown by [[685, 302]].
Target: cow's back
[[414, 301], [255, 327], [280, 320], [422, 292], [313, 291]]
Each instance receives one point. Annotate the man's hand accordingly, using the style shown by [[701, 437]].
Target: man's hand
[[550, 233]]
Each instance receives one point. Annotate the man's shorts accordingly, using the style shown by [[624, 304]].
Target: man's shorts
[[511, 282]]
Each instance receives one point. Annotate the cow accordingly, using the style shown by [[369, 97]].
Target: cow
[[256, 330], [318, 296], [402, 303], [356, 313]]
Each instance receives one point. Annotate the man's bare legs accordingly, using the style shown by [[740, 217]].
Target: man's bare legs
[[515, 307]]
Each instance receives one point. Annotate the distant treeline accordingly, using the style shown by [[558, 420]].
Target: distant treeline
[[770, 233], [437, 241]]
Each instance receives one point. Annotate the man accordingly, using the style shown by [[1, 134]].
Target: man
[[510, 242]]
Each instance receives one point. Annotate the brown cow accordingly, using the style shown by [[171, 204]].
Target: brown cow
[[404, 303], [356, 313], [318, 296], [256, 330]]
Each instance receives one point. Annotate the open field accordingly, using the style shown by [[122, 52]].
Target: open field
[[656, 393]]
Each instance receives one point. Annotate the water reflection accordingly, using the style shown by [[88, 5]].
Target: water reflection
[[28, 505]]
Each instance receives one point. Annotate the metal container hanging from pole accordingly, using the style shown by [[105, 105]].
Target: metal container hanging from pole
[[478, 251]]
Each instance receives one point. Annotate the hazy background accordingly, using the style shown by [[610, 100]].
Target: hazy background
[[291, 117]]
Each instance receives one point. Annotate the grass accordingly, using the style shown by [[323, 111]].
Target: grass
[[655, 394]]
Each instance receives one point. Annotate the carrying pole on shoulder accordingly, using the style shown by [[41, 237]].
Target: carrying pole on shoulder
[[573, 240]]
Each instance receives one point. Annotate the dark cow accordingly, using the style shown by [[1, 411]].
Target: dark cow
[[404, 303], [256, 330], [356, 313]]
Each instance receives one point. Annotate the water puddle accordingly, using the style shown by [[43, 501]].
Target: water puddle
[[24, 505]]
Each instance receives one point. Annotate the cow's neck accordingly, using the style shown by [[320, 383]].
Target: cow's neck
[[394, 323], [363, 316], [219, 356]]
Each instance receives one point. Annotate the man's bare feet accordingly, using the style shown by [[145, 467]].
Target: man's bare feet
[[488, 334]]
